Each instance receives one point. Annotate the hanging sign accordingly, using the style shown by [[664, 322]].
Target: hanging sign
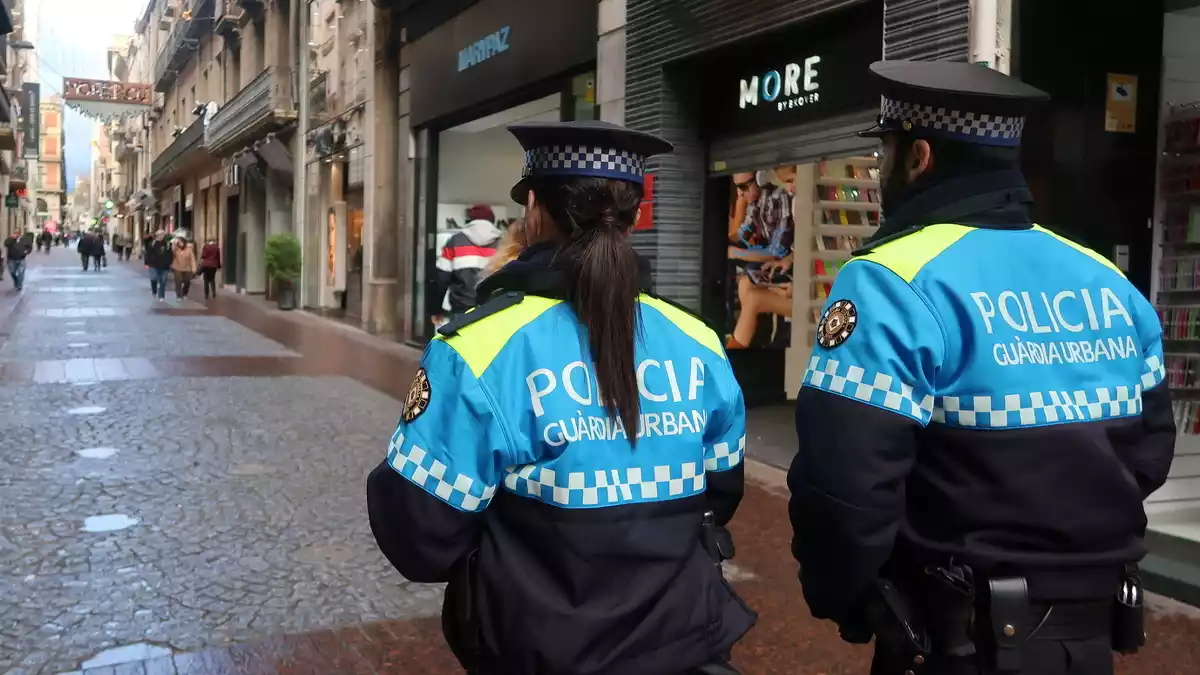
[[105, 100], [31, 115], [11, 201], [1120, 106]]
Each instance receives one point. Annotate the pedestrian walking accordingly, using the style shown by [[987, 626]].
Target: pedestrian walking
[[16, 249], [984, 410], [84, 247], [183, 266], [210, 263], [158, 258], [463, 258], [593, 529], [98, 252]]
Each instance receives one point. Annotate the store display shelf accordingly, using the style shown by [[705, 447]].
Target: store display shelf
[[835, 230], [1179, 293], [1190, 196], [849, 182], [848, 206], [832, 255], [861, 161]]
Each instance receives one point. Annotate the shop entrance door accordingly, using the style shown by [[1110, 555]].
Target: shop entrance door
[[232, 249]]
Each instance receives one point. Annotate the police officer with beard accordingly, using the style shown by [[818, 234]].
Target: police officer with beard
[[983, 412]]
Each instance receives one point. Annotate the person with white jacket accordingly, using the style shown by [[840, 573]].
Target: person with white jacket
[[464, 257]]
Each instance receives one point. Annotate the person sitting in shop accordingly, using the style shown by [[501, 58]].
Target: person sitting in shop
[[464, 257], [761, 235]]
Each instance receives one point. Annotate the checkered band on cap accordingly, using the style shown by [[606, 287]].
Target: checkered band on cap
[[581, 160], [966, 126]]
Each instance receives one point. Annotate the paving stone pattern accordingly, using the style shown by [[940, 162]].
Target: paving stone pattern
[[148, 335], [247, 526], [247, 494]]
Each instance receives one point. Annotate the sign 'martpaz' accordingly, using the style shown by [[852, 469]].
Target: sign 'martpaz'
[[105, 100]]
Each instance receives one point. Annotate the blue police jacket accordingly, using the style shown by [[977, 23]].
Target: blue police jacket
[[991, 395], [590, 558]]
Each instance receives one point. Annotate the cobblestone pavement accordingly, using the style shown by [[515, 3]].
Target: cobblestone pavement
[[199, 511]]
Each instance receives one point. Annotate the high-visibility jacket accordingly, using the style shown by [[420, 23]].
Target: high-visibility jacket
[[590, 558], [993, 396]]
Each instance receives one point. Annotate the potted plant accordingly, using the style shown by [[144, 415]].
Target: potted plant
[[283, 267]]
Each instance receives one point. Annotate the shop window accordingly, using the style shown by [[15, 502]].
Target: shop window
[[791, 228]]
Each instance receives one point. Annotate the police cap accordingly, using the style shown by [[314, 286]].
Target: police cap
[[954, 100], [596, 149]]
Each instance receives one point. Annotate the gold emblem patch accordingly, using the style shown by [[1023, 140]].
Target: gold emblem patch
[[418, 397], [837, 324]]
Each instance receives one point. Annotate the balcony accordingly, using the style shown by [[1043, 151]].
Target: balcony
[[182, 154], [264, 105], [201, 14], [126, 146], [179, 48], [228, 17]]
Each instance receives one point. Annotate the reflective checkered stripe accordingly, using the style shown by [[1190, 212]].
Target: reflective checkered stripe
[[1038, 408], [1001, 130], [606, 487], [724, 456], [1154, 373], [579, 160], [456, 489], [878, 389]]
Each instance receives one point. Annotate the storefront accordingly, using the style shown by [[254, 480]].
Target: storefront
[[492, 65], [770, 187], [336, 168]]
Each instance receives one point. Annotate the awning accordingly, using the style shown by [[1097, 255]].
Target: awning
[[275, 153]]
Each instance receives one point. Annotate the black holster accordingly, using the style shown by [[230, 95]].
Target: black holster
[[900, 634]]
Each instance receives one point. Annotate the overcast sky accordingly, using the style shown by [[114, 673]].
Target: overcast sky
[[73, 39]]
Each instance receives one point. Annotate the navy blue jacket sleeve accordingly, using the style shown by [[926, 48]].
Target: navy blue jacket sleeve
[[867, 392], [443, 466], [1150, 461]]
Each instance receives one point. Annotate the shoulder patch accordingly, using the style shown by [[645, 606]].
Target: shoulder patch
[[837, 323], [498, 303], [418, 396]]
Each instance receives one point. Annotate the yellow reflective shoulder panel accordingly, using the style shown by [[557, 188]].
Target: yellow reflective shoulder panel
[[1083, 249], [479, 343], [690, 325], [908, 254]]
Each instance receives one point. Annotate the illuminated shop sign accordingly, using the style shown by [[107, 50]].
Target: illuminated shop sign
[[797, 85]]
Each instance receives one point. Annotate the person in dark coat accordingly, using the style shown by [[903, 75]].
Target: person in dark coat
[[97, 252], [210, 262], [84, 247], [158, 257]]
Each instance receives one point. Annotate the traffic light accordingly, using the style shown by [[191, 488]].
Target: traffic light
[[95, 221], [104, 220], [108, 204]]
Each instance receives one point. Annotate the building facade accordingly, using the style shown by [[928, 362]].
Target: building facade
[[51, 182], [14, 174]]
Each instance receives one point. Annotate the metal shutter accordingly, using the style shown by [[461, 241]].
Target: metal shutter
[[792, 145], [926, 30]]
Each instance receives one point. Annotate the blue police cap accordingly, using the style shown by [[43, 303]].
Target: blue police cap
[[954, 100], [596, 149]]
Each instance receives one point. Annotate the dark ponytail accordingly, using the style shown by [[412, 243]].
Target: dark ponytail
[[595, 215]]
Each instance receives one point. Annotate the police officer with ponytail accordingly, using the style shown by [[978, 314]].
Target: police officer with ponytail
[[571, 449]]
